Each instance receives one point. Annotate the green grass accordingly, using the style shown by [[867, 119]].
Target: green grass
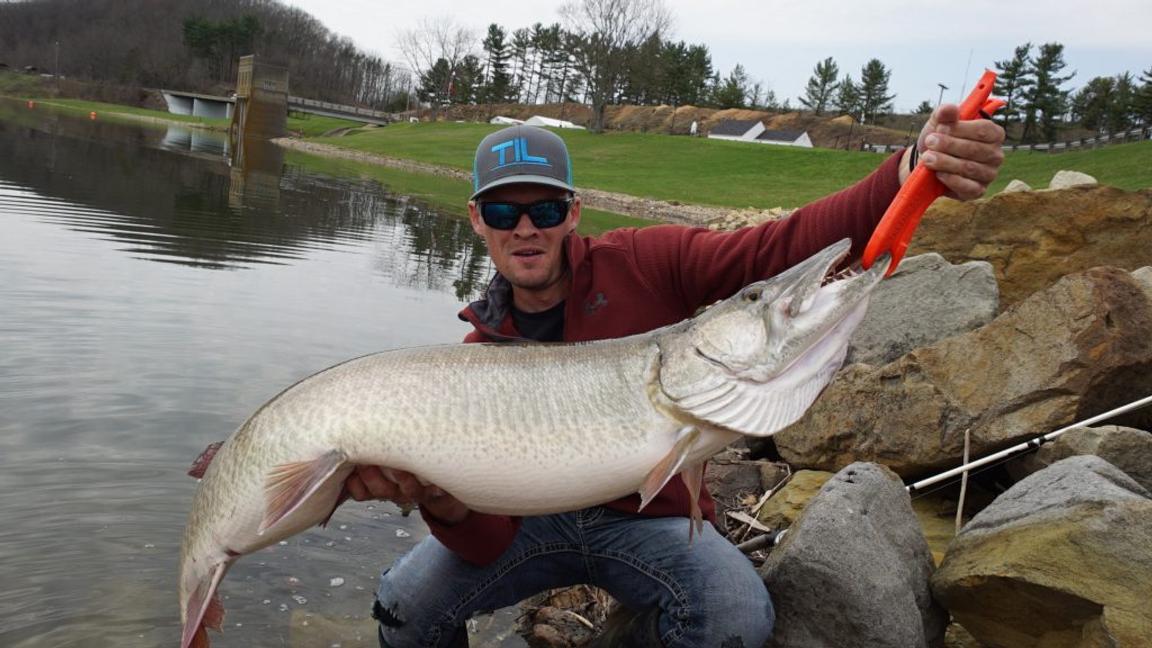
[[446, 194], [1127, 166], [728, 174], [688, 170]]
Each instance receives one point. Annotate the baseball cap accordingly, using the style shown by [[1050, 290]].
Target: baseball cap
[[521, 154]]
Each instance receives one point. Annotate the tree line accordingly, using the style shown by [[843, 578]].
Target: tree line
[[601, 52], [1032, 83], [194, 45]]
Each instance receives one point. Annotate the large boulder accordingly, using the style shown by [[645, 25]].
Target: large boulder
[[926, 300], [1127, 448], [1074, 350], [1034, 238], [854, 568], [1060, 560]]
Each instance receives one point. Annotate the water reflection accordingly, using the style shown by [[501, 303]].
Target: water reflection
[[136, 186], [151, 298]]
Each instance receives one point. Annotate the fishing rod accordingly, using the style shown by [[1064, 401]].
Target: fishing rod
[[1031, 444]]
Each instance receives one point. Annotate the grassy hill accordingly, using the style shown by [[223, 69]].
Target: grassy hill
[[730, 174]]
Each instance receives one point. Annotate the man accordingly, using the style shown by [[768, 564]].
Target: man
[[552, 285]]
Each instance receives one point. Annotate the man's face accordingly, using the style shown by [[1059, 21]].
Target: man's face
[[529, 257]]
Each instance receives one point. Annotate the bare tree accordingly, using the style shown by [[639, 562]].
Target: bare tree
[[434, 40], [604, 31]]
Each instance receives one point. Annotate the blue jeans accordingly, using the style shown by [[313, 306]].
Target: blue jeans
[[708, 592]]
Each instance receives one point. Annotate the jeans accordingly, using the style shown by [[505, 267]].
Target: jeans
[[708, 592]]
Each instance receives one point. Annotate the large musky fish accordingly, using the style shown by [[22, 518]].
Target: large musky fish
[[525, 429]]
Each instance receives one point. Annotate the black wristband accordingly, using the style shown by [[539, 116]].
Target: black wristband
[[913, 158]]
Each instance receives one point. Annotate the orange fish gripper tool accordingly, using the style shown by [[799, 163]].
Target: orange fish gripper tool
[[922, 187]]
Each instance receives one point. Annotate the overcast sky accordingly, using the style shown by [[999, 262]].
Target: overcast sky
[[923, 42]]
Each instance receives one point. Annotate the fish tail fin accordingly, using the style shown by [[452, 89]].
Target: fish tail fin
[[203, 610], [290, 485]]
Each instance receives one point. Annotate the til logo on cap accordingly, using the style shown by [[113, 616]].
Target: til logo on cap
[[520, 155]]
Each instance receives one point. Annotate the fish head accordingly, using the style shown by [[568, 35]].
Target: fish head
[[756, 361]]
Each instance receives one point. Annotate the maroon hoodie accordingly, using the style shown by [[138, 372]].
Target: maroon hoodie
[[630, 281]]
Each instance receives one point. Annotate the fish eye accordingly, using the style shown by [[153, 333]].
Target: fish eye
[[752, 295]]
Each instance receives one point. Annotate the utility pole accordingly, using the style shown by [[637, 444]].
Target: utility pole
[[57, 75], [941, 98]]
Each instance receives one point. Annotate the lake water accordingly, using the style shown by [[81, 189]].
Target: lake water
[[151, 298]]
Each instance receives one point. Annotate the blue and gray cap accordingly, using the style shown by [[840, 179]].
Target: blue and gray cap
[[521, 154]]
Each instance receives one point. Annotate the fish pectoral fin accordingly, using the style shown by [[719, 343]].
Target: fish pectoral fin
[[290, 485], [694, 479], [668, 466], [204, 609]]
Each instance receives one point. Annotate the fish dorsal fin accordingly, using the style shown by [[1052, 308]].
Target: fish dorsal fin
[[760, 408], [668, 466], [200, 465], [290, 485]]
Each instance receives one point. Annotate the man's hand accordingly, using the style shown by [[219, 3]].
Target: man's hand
[[965, 155], [375, 483]]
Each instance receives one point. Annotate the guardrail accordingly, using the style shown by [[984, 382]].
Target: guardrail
[[341, 108], [1104, 139]]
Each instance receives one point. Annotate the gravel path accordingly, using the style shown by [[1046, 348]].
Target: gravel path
[[659, 210]]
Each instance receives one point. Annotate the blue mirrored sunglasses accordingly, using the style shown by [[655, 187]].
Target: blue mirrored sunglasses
[[542, 213]]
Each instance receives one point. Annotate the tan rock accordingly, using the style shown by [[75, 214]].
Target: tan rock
[[1015, 186], [1059, 560], [1065, 179], [1074, 350], [782, 509], [1034, 238]]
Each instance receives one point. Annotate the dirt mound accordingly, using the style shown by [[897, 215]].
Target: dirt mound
[[826, 131]]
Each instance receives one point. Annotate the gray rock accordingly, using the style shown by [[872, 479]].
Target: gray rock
[[1060, 559], [1128, 449], [926, 300], [1016, 186], [1064, 179], [853, 570], [1075, 481]]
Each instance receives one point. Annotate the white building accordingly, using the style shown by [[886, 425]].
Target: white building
[[506, 121], [753, 131], [552, 123]]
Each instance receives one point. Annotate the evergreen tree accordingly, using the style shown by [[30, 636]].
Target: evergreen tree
[[521, 42], [874, 98], [1012, 82], [1122, 111], [467, 81], [1143, 99], [434, 84], [698, 74], [818, 93], [1090, 104], [925, 108], [1046, 101], [497, 80], [733, 93], [848, 97]]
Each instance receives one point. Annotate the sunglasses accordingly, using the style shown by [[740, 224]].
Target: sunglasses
[[542, 213]]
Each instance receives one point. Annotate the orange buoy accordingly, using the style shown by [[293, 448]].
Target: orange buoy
[[92, 115], [31, 104]]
